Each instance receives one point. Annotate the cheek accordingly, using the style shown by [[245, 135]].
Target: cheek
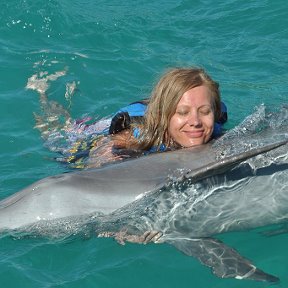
[[209, 127], [209, 122], [174, 124]]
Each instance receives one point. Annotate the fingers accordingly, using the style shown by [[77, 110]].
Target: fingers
[[122, 236], [152, 236]]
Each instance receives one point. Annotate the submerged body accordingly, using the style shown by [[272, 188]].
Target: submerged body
[[189, 195], [105, 190], [252, 194]]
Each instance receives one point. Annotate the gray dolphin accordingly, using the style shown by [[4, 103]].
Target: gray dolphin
[[137, 195], [219, 197], [107, 189]]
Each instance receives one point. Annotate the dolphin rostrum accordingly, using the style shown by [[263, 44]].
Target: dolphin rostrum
[[172, 192]]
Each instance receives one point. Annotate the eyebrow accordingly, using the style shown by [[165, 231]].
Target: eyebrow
[[184, 106]]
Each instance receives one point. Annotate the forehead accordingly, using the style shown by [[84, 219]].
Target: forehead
[[197, 96]]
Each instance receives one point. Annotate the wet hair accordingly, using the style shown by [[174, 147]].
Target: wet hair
[[163, 102]]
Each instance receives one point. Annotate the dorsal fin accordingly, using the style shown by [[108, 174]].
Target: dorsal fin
[[221, 166]]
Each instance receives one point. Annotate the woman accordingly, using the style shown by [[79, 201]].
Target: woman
[[181, 112]]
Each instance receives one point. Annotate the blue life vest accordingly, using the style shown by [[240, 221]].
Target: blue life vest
[[135, 109], [122, 119]]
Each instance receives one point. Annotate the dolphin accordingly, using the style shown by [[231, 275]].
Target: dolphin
[[139, 194]]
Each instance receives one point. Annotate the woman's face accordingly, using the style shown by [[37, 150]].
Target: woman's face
[[193, 121]]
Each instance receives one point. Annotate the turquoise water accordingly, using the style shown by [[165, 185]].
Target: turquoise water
[[112, 53]]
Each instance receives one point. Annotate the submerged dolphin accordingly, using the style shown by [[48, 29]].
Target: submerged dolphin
[[110, 190], [107, 189]]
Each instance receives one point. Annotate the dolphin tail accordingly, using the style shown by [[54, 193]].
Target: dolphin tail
[[224, 261]]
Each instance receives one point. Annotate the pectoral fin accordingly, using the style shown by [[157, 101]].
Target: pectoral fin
[[224, 261]]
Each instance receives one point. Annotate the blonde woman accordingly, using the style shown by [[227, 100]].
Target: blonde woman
[[182, 111]]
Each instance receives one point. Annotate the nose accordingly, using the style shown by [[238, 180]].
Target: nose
[[194, 119]]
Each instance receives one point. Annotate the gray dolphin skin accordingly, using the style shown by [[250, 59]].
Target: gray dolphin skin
[[189, 195]]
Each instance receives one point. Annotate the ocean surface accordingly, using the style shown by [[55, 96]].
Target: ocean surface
[[94, 57]]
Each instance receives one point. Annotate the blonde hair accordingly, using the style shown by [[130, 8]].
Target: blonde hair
[[163, 102]]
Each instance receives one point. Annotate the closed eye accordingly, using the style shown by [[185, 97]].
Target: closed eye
[[205, 110], [182, 112]]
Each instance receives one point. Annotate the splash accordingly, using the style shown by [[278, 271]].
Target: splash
[[252, 132]]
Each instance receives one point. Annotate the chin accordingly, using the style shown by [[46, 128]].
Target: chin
[[196, 143]]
